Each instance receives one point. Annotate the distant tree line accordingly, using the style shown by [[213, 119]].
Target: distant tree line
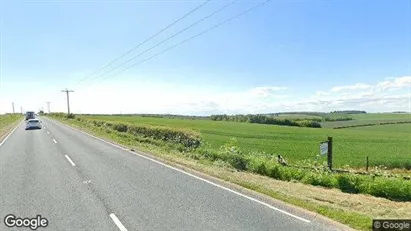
[[264, 119], [298, 113], [350, 112], [169, 116], [337, 117]]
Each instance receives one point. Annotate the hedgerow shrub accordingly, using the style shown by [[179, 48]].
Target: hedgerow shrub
[[187, 138]]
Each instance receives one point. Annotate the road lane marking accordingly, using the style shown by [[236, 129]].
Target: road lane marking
[[118, 222], [192, 175], [54, 141], [48, 132], [5, 138], [69, 160]]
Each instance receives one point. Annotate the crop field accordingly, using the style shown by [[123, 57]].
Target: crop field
[[383, 144], [404, 129], [359, 119], [382, 116]]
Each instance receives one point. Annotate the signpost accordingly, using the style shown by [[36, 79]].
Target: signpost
[[323, 148]]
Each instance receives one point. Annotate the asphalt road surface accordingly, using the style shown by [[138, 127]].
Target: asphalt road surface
[[78, 182]]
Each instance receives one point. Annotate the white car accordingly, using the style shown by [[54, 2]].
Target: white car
[[33, 124]]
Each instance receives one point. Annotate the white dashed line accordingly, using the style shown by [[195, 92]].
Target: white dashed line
[[69, 160], [48, 132], [54, 141], [118, 222]]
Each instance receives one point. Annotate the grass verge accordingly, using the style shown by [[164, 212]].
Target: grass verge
[[354, 210], [7, 123]]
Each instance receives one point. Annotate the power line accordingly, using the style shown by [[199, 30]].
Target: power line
[[151, 37], [190, 38], [170, 37]]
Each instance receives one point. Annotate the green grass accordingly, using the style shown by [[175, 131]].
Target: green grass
[[371, 118], [7, 120], [382, 116], [404, 129], [295, 144]]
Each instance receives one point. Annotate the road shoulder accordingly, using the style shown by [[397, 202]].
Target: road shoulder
[[7, 130]]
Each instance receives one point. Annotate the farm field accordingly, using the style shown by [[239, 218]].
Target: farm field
[[373, 118], [405, 129], [382, 116], [382, 144]]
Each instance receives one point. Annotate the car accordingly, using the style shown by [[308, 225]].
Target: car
[[33, 124]]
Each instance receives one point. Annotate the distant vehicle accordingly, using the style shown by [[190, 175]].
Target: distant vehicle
[[33, 124], [30, 115]]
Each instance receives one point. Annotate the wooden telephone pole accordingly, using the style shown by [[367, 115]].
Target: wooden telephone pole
[[68, 99]]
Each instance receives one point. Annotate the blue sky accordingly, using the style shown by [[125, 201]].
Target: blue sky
[[285, 55]]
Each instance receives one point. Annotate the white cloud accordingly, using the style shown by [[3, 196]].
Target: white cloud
[[147, 97], [358, 86], [266, 91], [396, 83]]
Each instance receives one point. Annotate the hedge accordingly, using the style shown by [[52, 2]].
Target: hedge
[[187, 138]]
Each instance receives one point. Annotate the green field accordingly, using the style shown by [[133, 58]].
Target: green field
[[404, 129], [382, 116], [374, 118], [382, 144]]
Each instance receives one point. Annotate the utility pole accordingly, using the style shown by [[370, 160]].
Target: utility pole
[[12, 104], [21, 109], [48, 106], [68, 99]]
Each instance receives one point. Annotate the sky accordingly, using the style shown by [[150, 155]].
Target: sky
[[286, 55]]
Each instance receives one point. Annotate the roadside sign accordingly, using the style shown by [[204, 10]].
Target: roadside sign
[[324, 148]]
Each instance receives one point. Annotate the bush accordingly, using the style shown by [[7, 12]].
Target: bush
[[325, 180], [257, 165], [232, 155], [185, 137], [266, 119], [390, 188]]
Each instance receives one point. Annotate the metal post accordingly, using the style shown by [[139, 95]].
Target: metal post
[[330, 153], [367, 164]]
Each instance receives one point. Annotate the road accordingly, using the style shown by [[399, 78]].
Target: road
[[78, 182]]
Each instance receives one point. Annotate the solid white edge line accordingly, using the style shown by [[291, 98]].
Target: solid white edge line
[[69, 160], [118, 222], [4, 140], [54, 141], [197, 177]]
